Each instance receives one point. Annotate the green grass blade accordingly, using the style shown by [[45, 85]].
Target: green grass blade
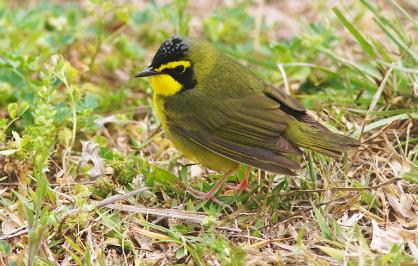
[[352, 29]]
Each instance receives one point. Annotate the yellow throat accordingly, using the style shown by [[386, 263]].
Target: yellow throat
[[164, 84]]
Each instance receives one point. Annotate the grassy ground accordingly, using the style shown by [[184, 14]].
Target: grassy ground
[[77, 134]]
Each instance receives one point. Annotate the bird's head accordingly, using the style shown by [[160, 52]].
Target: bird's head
[[172, 69]]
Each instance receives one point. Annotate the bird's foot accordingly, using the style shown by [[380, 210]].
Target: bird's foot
[[243, 186], [211, 194], [201, 195], [237, 188], [208, 196]]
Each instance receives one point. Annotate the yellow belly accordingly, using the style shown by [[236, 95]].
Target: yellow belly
[[190, 149]]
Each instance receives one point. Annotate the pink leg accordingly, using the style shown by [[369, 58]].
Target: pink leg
[[213, 191], [243, 186], [211, 194]]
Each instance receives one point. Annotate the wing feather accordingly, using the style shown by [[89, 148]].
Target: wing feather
[[246, 129]]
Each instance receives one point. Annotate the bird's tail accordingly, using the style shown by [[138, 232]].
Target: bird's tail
[[316, 137]]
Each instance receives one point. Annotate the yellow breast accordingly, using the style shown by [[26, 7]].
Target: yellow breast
[[188, 148], [159, 109], [165, 85]]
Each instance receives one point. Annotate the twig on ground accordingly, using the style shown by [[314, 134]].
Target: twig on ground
[[118, 197], [192, 217], [19, 231], [391, 181]]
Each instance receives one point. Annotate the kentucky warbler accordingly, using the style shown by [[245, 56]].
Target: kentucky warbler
[[219, 113]]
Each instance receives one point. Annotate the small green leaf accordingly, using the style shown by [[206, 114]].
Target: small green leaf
[[27, 209], [23, 107], [5, 249], [301, 233], [40, 192], [322, 223], [181, 252], [12, 108], [16, 110], [333, 252], [76, 258], [411, 176]]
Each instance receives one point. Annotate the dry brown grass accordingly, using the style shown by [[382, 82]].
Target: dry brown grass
[[359, 210]]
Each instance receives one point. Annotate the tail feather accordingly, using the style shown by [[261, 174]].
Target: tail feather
[[318, 138]]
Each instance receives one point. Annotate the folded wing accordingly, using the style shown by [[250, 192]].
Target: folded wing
[[246, 129]]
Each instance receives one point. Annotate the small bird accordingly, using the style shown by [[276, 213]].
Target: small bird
[[219, 113]]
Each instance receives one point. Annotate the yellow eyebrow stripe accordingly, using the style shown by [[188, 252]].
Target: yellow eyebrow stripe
[[174, 64]]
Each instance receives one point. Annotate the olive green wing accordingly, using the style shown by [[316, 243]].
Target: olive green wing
[[246, 129], [286, 101], [290, 106]]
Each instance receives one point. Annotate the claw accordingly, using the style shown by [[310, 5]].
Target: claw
[[243, 186], [211, 194]]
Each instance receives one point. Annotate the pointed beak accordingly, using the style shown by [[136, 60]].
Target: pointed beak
[[149, 71]]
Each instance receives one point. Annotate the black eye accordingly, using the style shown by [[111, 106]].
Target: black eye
[[179, 69]]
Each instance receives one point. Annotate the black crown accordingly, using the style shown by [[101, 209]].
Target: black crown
[[173, 49]]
